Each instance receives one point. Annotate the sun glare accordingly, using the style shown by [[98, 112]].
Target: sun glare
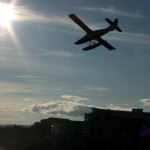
[[7, 14]]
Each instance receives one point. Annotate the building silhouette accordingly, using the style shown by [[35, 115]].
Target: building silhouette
[[102, 129], [119, 130]]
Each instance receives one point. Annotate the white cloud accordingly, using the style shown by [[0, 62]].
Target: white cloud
[[118, 107], [74, 98], [146, 102], [28, 100], [111, 10], [95, 88], [71, 108]]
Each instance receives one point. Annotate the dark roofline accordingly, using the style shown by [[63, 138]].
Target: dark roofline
[[135, 113]]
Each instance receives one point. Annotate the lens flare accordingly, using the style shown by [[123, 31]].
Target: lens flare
[[7, 14]]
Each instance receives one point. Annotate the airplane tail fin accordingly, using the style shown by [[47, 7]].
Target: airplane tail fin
[[114, 24]]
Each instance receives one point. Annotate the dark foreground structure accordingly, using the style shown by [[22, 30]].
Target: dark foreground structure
[[101, 130]]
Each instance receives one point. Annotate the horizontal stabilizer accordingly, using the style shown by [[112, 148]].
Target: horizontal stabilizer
[[118, 29], [109, 21], [114, 24]]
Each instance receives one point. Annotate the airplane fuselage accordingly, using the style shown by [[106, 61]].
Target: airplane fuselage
[[93, 34]]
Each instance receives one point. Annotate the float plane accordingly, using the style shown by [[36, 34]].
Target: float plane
[[93, 37]]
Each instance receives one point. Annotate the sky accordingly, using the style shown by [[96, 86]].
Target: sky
[[44, 74]]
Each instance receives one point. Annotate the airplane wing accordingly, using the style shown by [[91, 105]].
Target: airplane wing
[[80, 23], [104, 43]]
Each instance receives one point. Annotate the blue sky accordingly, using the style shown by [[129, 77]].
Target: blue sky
[[43, 74]]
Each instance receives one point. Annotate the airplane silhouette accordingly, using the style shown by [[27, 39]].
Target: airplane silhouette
[[94, 36]]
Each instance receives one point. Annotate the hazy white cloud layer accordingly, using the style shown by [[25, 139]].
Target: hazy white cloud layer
[[118, 107], [95, 88], [71, 106], [146, 102], [74, 98], [55, 53], [25, 14], [111, 10]]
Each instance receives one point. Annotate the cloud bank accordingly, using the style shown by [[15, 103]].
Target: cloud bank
[[72, 106], [146, 102], [117, 107], [74, 98]]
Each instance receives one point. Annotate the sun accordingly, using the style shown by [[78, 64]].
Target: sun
[[7, 14]]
